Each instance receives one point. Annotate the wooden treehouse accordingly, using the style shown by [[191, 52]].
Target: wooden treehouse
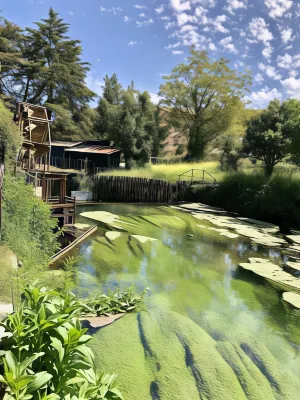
[[50, 184]]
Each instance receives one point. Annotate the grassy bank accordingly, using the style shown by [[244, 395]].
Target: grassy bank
[[170, 172], [275, 199]]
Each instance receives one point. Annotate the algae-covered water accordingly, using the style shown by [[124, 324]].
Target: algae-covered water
[[212, 331]]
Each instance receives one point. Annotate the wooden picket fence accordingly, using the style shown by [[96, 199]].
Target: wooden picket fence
[[130, 189]]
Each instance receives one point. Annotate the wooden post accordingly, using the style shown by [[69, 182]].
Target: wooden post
[[44, 189]]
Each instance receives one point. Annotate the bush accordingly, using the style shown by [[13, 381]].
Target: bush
[[44, 351], [275, 199], [10, 139], [27, 227]]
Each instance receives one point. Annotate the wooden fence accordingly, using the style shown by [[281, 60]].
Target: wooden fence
[[129, 189]]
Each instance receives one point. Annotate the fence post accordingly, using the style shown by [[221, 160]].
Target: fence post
[[203, 176]]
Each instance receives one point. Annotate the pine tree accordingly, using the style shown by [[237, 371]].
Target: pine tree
[[11, 60], [60, 79], [112, 90]]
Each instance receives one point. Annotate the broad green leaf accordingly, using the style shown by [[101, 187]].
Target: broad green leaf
[[25, 364], [39, 381], [12, 363]]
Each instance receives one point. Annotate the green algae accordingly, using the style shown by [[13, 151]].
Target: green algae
[[213, 330]]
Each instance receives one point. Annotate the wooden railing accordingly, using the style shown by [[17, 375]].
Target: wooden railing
[[199, 176], [63, 208]]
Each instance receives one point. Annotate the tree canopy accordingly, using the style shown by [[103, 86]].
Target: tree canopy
[[270, 135], [202, 96], [43, 65], [130, 119]]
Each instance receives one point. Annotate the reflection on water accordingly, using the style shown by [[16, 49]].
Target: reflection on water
[[212, 330]]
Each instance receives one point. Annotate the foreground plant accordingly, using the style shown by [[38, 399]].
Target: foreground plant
[[44, 352]]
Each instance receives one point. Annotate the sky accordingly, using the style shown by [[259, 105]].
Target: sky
[[142, 40]]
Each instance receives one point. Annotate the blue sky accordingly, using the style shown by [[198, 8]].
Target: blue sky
[[141, 40]]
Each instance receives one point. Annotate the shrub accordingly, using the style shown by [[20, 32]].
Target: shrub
[[275, 199], [44, 351], [27, 227]]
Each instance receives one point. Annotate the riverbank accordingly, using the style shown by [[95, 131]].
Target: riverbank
[[274, 199]]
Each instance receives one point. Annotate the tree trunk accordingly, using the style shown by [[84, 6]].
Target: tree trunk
[[269, 167], [26, 90], [196, 146]]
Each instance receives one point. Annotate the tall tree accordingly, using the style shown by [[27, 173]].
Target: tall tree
[[202, 96], [129, 119], [11, 59], [268, 137], [112, 90], [58, 75]]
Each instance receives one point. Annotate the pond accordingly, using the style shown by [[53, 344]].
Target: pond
[[211, 330]]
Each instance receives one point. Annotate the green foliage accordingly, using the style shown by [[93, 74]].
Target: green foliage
[[44, 351], [269, 136], [43, 65], [231, 153], [11, 60], [203, 96], [27, 226], [83, 182], [117, 302], [275, 199], [9, 137], [128, 118]]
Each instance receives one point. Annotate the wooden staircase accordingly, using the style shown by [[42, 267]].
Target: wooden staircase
[[34, 161]]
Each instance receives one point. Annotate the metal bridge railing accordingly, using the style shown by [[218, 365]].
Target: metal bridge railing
[[199, 176]]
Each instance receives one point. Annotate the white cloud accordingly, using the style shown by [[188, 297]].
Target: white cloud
[[239, 64], [169, 25], [173, 46], [205, 3], [278, 7], [132, 43], [187, 28], [226, 43], [127, 19], [287, 61], [180, 6], [183, 18], [71, 13], [270, 71], [217, 23], [160, 9], [177, 52], [212, 47], [292, 87], [260, 31], [284, 61], [142, 15], [139, 7], [286, 35], [114, 10], [148, 22], [267, 52], [259, 78], [165, 18], [233, 5], [262, 98]]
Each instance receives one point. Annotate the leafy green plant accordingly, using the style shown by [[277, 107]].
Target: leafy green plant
[[44, 352], [116, 301]]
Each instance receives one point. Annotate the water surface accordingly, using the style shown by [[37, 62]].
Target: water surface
[[212, 330]]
